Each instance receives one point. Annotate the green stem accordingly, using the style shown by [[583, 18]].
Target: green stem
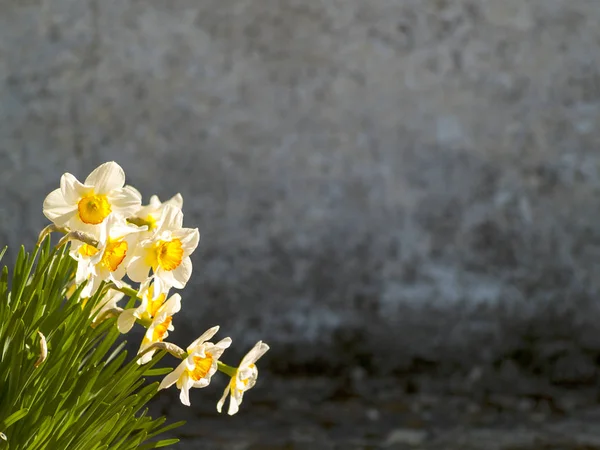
[[127, 291], [47, 230], [173, 349], [144, 322], [231, 371]]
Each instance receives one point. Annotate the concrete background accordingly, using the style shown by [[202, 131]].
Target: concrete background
[[392, 185]]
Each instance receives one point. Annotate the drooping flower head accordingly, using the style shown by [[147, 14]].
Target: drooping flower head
[[200, 365], [160, 327], [166, 253], [84, 206], [244, 379]]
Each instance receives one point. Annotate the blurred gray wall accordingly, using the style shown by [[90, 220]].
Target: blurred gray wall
[[376, 182]]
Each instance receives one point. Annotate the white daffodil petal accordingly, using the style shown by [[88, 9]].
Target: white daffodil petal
[[171, 306], [154, 202], [223, 344], [146, 357], [203, 382], [91, 287], [259, 349], [56, 209], [189, 238], [71, 189], [126, 320], [172, 218], [176, 200], [203, 338], [172, 377], [184, 395], [221, 402], [110, 300], [160, 285], [126, 200], [182, 273], [83, 271], [137, 269], [134, 191], [234, 407], [106, 177]]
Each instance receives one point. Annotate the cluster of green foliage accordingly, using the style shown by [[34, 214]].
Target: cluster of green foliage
[[86, 394]]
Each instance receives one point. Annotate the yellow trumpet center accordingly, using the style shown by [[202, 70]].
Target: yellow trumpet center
[[93, 209], [114, 254], [151, 222], [201, 367], [87, 250], [153, 304], [166, 255], [160, 330]]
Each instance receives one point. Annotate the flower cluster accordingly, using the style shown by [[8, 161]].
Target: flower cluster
[[113, 236]]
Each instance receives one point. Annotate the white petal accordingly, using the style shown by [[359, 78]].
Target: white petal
[[233, 405], [259, 349], [184, 396], [181, 274], [146, 358], [125, 201], [72, 190], [126, 320], [106, 177], [171, 378], [203, 382], [56, 208], [176, 200], [114, 296], [154, 202], [120, 228], [160, 285], [216, 350], [83, 270], [189, 238], [137, 269], [223, 398], [76, 224], [224, 343], [134, 191], [204, 337], [118, 274], [171, 306], [91, 287], [172, 219]]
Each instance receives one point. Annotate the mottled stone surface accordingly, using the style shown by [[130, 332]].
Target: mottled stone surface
[[298, 414], [408, 182]]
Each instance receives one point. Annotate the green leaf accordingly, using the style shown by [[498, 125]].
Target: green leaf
[[158, 372], [87, 381], [14, 417], [158, 444]]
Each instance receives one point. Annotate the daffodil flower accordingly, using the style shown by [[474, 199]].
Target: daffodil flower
[[166, 253], [108, 261], [152, 213], [146, 311], [83, 206], [200, 365], [160, 327], [244, 379]]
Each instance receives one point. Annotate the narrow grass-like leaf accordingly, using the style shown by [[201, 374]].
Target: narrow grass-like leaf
[[14, 417]]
